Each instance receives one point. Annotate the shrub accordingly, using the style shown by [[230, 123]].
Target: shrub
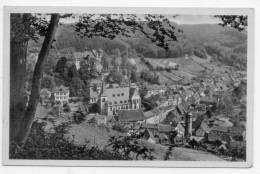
[[129, 147], [78, 117], [119, 128], [41, 145]]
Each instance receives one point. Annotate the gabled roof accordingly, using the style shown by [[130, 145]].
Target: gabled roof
[[61, 89], [164, 128], [130, 115]]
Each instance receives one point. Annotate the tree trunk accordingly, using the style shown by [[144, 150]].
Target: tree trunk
[[17, 81], [28, 117]]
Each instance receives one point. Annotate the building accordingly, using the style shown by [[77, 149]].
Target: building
[[94, 90], [218, 133], [203, 130], [154, 90], [114, 98], [130, 116], [61, 94], [179, 139]]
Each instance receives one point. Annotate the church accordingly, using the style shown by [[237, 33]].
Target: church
[[113, 97]]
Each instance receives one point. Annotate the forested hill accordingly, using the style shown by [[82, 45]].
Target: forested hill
[[224, 44]]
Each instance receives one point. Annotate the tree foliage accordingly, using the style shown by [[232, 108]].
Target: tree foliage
[[157, 28], [42, 145], [238, 22], [129, 147]]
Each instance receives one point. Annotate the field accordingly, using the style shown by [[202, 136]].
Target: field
[[188, 68]]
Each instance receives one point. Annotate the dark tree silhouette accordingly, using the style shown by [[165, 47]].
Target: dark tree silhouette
[[234, 21]]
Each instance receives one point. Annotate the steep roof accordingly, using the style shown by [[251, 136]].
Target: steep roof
[[133, 92], [130, 115]]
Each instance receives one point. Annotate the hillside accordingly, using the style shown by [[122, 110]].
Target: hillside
[[224, 44]]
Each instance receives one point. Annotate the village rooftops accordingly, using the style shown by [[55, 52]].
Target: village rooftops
[[164, 128], [150, 126], [156, 87], [130, 115], [219, 129]]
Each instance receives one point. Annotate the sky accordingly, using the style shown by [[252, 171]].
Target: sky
[[196, 19], [180, 19]]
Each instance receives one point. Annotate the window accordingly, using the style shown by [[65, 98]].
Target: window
[[118, 95], [122, 94], [103, 100], [114, 95], [115, 102], [121, 101]]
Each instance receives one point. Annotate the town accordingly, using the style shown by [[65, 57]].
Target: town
[[159, 102]]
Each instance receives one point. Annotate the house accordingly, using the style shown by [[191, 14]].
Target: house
[[61, 94], [153, 128], [130, 116], [207, 100], [164, 128], [154, 90], [115, 97], [237, 144], [179, 138], [157, 116], [218, 133], [203, 130], [235, 131], [45, 95]]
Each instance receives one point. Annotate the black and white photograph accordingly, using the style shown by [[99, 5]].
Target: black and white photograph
[[119, 85]]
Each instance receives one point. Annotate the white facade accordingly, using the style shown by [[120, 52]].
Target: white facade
[[61, 94]]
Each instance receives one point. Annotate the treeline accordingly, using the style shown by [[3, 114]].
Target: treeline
[[235, 57]]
